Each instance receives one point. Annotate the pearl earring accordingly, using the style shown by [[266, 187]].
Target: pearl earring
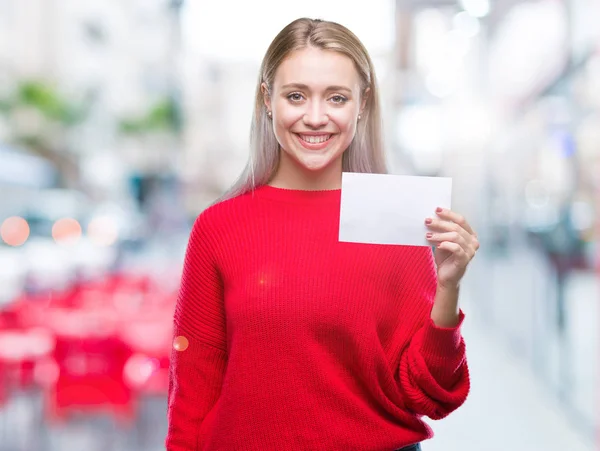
[[359, 116], [269, 114]]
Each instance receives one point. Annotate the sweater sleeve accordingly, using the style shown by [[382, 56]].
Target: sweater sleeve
[[198, 357], [433, 373]]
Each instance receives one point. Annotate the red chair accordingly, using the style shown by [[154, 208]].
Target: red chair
[[90, 378], [22, 345]]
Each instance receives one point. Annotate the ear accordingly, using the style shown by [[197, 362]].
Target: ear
[[266, 95], [364, 100]]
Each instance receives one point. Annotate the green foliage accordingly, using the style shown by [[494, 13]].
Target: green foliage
[[47, 100], [162, 116]]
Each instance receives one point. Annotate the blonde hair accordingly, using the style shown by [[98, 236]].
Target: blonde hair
[[365, 153]]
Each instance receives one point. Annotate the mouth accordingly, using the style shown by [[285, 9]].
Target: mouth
[[314, 142]]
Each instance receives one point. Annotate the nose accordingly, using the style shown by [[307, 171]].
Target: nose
[[316, 115]]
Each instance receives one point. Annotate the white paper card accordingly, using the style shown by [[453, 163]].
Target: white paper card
[[390, 209]]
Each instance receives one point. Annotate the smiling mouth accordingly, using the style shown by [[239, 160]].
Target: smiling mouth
[[312, 139], [314, 142]]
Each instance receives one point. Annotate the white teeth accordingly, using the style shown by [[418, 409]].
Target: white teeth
[[315, 139]]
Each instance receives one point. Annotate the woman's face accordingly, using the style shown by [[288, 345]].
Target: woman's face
[[315, 101]]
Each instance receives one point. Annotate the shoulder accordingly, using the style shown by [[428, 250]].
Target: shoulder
[[221, 214]]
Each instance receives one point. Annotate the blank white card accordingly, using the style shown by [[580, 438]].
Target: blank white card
[[390, 209]]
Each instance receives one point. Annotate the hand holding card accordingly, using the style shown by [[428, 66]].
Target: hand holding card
[[393, 209]]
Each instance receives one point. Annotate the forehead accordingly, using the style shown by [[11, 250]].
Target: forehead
[[317, 68]]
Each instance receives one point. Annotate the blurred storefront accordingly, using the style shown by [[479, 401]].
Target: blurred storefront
[[92, 226], [503, 97]]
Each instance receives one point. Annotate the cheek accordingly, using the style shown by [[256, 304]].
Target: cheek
[[345, 122], [286, 114], [285, 120], [282, 130]]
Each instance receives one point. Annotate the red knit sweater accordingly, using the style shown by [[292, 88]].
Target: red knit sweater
[[296, 341]]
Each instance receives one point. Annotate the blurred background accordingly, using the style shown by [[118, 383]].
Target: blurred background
[[121, 120]]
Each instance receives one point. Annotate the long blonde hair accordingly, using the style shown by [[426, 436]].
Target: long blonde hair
[[365, 153]]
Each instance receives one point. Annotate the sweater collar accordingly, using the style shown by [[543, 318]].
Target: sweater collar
[[297, 195]]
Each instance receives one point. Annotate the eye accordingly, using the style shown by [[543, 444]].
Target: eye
[[339, 99], [295, 97]]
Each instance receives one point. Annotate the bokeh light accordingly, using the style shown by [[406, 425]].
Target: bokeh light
[[66, 231], [14, 231], [180, 343], [139, 368], [102, 230]]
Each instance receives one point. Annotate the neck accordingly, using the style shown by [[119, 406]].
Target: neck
[[290, 175]]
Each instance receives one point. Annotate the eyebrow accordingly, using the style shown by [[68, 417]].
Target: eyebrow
[[305, 87]]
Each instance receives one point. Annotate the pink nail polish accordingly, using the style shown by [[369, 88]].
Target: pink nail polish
[[439, 209], [428, 221]]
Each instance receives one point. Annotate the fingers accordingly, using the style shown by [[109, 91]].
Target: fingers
[[438, 225], [452, 227], [454, 237], [451, 216], [457, 250]]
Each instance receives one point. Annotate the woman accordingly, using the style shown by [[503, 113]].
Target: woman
[[286, 338]]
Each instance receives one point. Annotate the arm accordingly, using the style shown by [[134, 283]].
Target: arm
[[199, 359], [433, 373]]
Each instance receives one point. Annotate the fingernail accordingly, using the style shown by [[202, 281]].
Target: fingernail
[[439, 209], [428, 221], [429, 235]]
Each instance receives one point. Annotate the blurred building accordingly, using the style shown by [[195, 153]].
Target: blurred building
[[503, 97], [218, 106], [118, 60]]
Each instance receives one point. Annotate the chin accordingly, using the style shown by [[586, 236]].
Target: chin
[[314, 167], [317, 163]]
